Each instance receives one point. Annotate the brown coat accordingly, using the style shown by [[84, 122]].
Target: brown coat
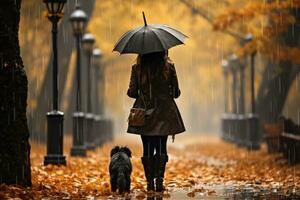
[[165, 118]]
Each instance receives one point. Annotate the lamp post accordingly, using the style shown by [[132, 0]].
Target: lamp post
[[55, 117], [98, 76], [249, 38], [96, 57], [241, 68], [78, 20], [253, 137], [236, 118], [242, 127], [252, 75], [225, 117], [88, 41], [225, 68], [234, 67]]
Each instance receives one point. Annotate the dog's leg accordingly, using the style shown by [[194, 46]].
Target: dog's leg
[[128, 183], [121, 181], [113, 183]]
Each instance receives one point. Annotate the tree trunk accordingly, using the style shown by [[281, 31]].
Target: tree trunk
[[274, 91], [277, 79], [14, 135]]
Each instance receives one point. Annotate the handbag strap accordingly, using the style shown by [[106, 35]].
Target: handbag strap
[[140, 85], [140, 88]]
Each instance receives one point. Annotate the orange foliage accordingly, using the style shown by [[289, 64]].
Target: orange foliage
[[252, 9], [193, 167], [278, 18]]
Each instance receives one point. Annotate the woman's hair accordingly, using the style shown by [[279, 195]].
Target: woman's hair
[[156, 60]]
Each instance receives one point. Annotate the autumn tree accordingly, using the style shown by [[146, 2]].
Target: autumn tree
[[14, 145], [274, 25]]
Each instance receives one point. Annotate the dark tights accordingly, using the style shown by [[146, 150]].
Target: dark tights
[[154, 143]]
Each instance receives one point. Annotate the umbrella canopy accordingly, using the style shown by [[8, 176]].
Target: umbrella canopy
[[149, 39]]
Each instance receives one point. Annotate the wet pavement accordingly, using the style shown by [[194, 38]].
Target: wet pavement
[[258, 188], [220, 193], [200, 167]]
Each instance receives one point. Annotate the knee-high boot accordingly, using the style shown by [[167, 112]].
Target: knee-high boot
[[160, 166], [148, 163]]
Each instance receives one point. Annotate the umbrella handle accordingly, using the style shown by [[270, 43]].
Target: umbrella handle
[[145, 22]]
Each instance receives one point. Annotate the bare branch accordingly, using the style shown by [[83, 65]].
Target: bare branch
[[233, 34], [209, 17], [200, 11], [225, 2]]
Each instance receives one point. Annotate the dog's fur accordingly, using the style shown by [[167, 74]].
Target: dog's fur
[[120, 169]]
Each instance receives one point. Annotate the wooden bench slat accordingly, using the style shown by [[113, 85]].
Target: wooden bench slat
[[291, 136]]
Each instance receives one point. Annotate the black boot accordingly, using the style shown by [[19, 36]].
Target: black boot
[[148, 163], [160, 166]]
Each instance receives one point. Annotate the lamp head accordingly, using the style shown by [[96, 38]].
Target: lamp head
[[234, 62], [248, 38], [88, 41], [78, 20], [55, 7], [97, 55], [225, 66]]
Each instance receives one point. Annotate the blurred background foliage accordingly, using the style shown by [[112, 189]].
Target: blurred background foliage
[[212, 37]]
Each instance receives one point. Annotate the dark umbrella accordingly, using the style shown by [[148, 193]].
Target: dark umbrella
[[149, 38]]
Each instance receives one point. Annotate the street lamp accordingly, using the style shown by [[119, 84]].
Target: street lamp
[[88, 41], [253, 137], [242, 120], [78, 21], [55, 117], [225, 69], [238, 119], [241, 68], [226, 122], [249, 38], [98, 77], [97, 57], [233, 62]]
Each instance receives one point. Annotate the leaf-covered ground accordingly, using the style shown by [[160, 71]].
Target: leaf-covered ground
[[199, 166]]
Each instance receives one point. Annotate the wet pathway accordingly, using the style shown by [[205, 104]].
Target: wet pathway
[[200, 167], [196, 154]]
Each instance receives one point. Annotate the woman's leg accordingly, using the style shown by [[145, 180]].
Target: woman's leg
[[161, 145], [148, 147], [161, 159], [148, 161]]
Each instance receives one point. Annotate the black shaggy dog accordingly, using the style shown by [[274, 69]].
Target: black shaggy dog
[[120, 169]]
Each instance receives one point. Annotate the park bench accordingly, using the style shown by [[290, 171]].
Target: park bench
[[291, 147], [272, 136], [284, 137], [290, 142]]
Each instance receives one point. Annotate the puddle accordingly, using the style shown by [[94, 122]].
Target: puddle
[[218, 192], [207, 160]]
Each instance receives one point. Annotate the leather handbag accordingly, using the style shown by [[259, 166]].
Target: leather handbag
[[137, 115]]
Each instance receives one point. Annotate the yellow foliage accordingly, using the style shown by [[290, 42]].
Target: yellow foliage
[[194, 168], [269, 21], [254, 8]]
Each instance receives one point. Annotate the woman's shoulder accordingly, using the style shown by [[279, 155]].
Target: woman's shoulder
[[134, 66], [171, 65]]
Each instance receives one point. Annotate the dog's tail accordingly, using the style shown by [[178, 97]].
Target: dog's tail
[[121, 181]]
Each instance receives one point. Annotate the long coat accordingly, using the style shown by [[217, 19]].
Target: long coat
[[163, 116]]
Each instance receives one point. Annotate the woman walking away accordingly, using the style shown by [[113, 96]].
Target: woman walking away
[[154, 85]]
